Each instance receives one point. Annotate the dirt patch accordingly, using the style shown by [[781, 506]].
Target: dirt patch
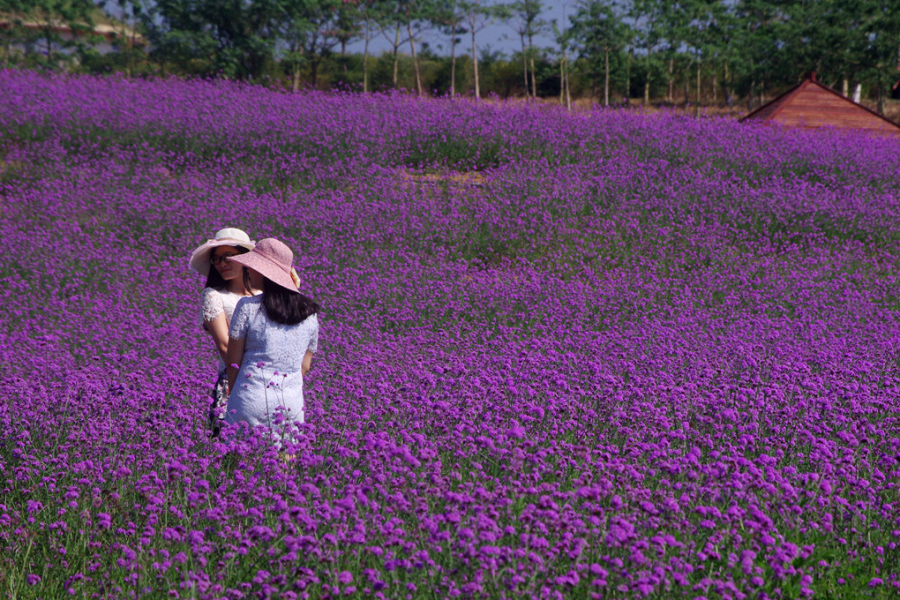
[[8, 168], [472, 178]]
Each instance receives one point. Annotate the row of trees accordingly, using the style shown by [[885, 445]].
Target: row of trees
[[671, 50]]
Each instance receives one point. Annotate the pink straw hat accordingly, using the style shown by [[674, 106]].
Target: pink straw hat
[[272, 259]]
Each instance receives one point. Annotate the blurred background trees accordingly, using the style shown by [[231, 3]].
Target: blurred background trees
[[730, 53]]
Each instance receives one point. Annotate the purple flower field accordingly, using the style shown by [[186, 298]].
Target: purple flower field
[[588, 355]]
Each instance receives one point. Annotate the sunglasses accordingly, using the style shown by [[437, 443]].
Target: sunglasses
[[220, 259]]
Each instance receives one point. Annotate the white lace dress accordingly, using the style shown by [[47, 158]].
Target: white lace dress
[[215, 302], [270, 380]]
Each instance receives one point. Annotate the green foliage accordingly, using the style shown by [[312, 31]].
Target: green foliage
[[634, 48], [35, 25], [233, 39]]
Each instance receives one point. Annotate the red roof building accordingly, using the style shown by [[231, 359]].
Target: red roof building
[[811, 105]]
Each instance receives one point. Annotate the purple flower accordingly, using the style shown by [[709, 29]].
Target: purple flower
[[557, 350]]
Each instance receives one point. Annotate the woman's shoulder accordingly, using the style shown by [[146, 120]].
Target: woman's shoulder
[[210, 297], [309, 324], [250, 300]]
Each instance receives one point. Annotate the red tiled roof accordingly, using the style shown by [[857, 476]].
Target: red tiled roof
[[811, 105]]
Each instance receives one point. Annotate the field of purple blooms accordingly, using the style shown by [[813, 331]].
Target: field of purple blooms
[[587, 355]]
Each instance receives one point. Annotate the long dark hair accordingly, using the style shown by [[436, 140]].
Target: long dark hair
[[214, 280], [282, 305]]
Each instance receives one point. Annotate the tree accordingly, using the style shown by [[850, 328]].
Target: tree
[[390, 24], [369, 12], [729, 51], [648, 16], [347, 27], [48, 15], [700, 34], [448, 17], [130, 12], [882, 28], [826, 36], [404, 15], [14, 11], [844, 40], [673, 30], [756, 36], [597, 32], [528, 24], [235, 39], [477, 16], [563, 38], [412, 12], [310, 30]]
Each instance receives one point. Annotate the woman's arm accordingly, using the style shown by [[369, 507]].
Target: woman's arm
[[218, 329], [307, 363], [234, 356]]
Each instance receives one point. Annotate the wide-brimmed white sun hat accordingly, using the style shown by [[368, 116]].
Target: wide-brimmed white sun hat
[[230, 236]]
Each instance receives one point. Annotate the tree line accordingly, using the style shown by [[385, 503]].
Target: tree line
[[622, 51]]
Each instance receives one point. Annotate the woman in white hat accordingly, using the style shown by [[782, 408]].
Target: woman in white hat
[[224, 287], [272, 340]]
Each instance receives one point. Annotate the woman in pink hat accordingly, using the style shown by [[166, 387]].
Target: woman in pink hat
[[224, 287], [272, 339]]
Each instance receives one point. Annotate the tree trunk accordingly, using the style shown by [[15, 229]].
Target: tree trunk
[[647, 83], [881, 95], [294, 49], [750, 95], [845, 87], [129, 50], [628, 77], [412, 48], [396, 57], [670, 94], [524, 64], [729, 96], [562, 82], [453, 64], [366, 60], [568, 94], [606, 78], [475, 65], [314, 72], [715, 84], [531, 60], [698, 85]]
